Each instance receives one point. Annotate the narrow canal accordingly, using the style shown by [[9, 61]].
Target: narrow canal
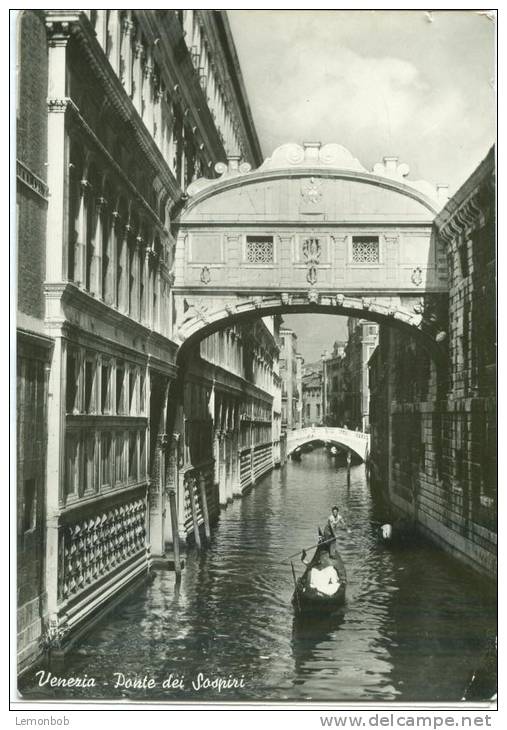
[[413, 627]]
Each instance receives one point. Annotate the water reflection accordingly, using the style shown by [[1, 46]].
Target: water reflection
[[412, 628]]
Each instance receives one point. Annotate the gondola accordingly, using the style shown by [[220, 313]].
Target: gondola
[[321, 588]]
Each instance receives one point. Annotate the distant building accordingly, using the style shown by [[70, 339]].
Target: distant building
[[336, 386], [312, 397], [289, 374], [299, 383], [362, 341]]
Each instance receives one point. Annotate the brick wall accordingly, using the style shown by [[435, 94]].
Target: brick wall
[[31, 463], [33, 351], [31, 137]]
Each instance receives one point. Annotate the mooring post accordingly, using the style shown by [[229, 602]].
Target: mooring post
[[174, 526], [204, 505], [193, 506]]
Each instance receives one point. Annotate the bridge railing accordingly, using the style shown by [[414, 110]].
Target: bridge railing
[[357, 441], [323, 431]]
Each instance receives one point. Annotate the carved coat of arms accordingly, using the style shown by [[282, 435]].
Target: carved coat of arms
[[312, 196]]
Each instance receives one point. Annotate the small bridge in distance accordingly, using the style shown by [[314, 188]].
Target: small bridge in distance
[[356, 441]]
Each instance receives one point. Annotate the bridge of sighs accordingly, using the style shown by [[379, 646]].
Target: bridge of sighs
[[310, 230]]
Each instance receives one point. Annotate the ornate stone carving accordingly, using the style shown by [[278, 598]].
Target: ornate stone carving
[[390, 168], [231, 309], [205, 275], [313, 296], [366, 303], [311, 192], [53, 637], [257, 302], [286, 298], [312, 155], [311, 252], [197, 310], [416, 277], [340, 299], [311, 275], [31, 180], [59, 106]]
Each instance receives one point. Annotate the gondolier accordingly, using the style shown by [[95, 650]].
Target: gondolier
[[334, 522]]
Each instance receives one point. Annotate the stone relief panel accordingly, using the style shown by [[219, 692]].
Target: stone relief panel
[[205, 248]]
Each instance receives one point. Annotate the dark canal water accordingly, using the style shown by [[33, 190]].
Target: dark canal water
[[413, 627]]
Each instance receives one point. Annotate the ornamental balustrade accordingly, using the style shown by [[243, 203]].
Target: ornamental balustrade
[[92, 548]]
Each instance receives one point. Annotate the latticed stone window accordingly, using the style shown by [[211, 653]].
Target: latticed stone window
[[259, 249], [365, 250]]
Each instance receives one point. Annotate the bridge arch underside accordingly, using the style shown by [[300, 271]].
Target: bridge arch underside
[[360, 453], [421, 318]]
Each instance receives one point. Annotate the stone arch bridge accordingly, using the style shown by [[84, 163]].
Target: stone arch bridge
[[311, 230], [355, 441]]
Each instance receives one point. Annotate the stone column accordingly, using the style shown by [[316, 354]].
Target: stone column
[[126, 52], [135, 273], [123, 265], [157, 501], [80, 244], [157, 115], [146, 315], [114, 255], [95, 283], [157, 315], [109, 248], [55, 469], [137, 74], [100, 28], [147, 92], [217, 452], [58, 104], [236, 485], [114, 33]]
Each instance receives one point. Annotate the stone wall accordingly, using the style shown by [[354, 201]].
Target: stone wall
[[31, 440], [434, 427], [33, 348]]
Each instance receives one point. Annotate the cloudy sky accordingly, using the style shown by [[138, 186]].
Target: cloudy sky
[[408, 83]]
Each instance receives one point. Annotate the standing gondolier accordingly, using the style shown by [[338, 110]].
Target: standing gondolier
[[334, 522]]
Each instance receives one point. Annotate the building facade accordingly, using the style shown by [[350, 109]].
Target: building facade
[[313, 389], [337, 387], [118, 112], [34, 347], [433, 435], [290, 373], [362, 341]]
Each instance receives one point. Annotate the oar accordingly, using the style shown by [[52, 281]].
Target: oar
[[318, 544], [296, 594]]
